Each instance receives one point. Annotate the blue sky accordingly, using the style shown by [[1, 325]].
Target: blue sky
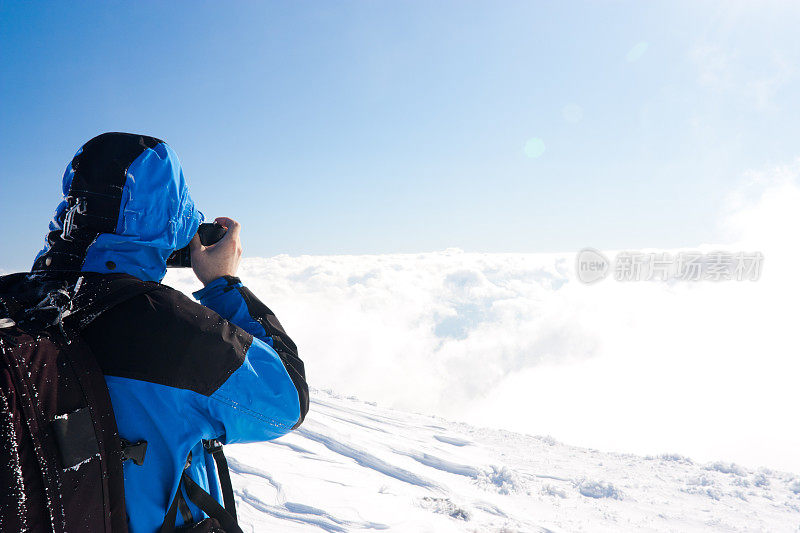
[[373, 127]]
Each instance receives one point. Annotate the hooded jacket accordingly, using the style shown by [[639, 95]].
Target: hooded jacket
[[178, 372]]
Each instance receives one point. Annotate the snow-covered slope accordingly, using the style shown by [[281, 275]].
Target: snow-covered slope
[[353, 466]]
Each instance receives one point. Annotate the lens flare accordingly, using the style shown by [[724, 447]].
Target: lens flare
[[637, 51], [534, 147]]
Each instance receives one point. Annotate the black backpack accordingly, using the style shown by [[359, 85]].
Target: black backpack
[[60, 452]]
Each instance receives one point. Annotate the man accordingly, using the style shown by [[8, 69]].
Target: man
[[178, 372]]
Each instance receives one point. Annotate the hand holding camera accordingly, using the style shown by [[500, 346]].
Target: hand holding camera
[[215, 251]]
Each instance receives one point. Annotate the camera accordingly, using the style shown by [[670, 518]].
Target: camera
[[209, 233]]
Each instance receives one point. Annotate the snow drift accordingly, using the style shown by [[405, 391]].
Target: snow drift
[[354, 466]]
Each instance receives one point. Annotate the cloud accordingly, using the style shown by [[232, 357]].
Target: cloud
[[714, 67], [514, 340], [420, 331], [755, 79]]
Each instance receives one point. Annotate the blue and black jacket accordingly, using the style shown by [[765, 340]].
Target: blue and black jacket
[[178, 372]]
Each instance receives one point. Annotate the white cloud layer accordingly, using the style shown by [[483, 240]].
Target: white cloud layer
[[513, 340]]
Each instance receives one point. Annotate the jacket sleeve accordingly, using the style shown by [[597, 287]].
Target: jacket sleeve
[[258, 389]]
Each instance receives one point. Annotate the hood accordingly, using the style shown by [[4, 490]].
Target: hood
[[125, 208]]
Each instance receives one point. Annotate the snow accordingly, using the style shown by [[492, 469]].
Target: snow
[[77, 466], [598, 489], [451, 440], [356, 466]]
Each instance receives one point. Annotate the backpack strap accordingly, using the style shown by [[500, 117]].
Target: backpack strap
[[214, 447], [135, 451], [203, 499], [168, 526], [207, 503]]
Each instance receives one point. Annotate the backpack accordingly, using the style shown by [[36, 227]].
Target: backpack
[[61, 455]]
